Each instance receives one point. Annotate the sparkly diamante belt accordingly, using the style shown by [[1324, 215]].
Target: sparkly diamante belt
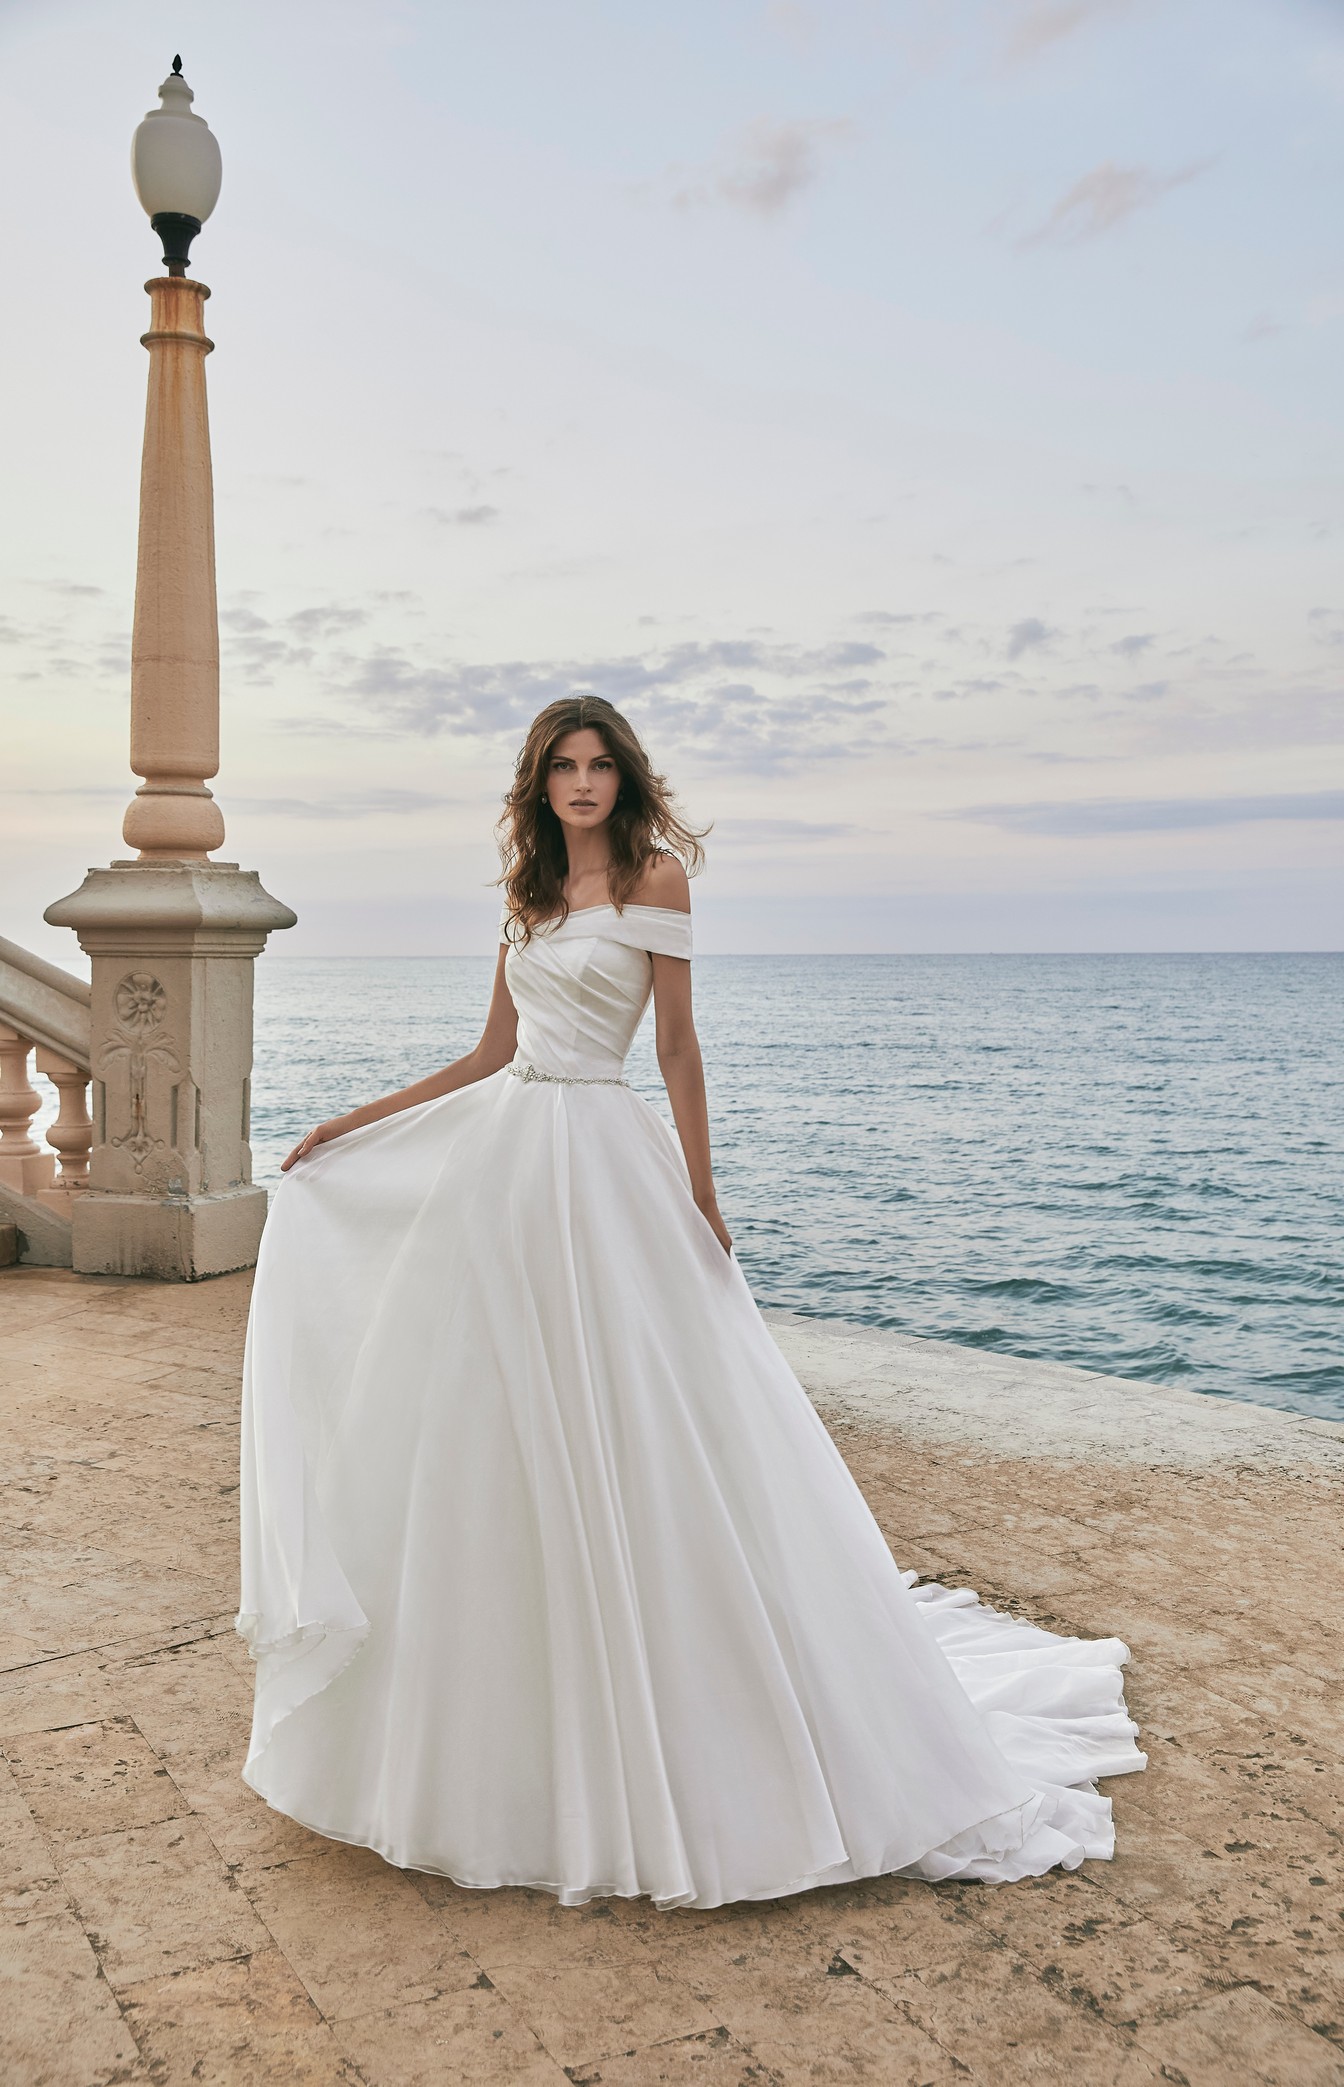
[[521, 1070]]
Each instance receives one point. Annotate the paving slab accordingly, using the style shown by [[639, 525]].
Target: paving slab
[[244, 2022], [463, 2038], [159, 1923]]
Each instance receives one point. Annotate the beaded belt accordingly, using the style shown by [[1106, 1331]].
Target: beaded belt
[[521, 1070]]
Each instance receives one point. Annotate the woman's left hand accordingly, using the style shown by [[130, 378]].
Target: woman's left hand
[[710, 1211]]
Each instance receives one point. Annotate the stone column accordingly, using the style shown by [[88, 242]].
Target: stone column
[[175, 643], [172, 936]]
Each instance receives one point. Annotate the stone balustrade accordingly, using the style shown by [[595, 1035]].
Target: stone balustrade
[[44, 1019]]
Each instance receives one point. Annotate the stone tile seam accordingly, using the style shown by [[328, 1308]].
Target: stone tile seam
[[503, 1963], [71, 1907], [344, 2023], [903, 2008], [251, 1887], [1085, 2014], [1163, 2014], [228, 1869], [216, 1627]]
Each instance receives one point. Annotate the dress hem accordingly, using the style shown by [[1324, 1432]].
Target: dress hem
[[973, 1855], [576, 1896]]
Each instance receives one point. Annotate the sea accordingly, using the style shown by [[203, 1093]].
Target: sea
[[1134, 1164]]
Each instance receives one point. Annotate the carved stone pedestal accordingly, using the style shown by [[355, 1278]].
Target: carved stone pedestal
[[170, 1175]]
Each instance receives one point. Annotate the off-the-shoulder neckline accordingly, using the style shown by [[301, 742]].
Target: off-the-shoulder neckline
[[632, 906], [555, 923]]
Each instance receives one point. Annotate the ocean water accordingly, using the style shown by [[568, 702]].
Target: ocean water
[[1133, 1164]]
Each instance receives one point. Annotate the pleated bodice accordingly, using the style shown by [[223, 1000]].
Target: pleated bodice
[[581, 986]]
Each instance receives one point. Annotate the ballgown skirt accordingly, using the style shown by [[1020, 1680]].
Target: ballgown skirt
[[553, 1575]]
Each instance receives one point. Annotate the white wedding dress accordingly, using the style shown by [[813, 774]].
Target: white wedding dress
[[551, 1573]]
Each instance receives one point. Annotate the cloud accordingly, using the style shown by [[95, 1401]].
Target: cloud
[[464, 517], [1046, 22], [741, 700], [1262, 328], [1027, 635], [111, 792], [753, 833], [1131, 647], [324, 622], [788, 19], [1111, 815], [264, 645], [359, 804], [767, 167], [363, 804], [1102, 200]]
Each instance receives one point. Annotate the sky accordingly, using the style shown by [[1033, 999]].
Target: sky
[[922, 417]]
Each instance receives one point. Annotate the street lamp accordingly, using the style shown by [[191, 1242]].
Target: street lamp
[[172, 934], [175, 165], [176, 168]]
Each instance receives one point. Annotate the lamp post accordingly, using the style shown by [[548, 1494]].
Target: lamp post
[[176, 168], [172, 935]]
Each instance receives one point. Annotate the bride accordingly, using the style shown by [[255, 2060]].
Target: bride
[[551, 1573]]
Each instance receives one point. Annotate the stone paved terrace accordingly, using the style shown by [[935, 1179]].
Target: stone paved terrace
[[161, 1925]]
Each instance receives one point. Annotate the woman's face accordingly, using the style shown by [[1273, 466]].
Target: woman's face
[[583, 779]]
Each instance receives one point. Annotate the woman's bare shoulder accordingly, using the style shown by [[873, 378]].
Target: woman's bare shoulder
[[664, 883]]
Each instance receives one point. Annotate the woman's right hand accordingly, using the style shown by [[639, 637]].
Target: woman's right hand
[[320, 1136]]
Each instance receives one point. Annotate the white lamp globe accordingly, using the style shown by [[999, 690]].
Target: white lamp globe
[[176, 168]]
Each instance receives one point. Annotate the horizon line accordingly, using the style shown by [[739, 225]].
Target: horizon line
[[423, 956]]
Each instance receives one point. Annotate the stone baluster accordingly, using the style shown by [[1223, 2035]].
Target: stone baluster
[[23, 1164], [71, 1135]]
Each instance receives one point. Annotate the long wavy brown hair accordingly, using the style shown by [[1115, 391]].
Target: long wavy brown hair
[[643, 823]]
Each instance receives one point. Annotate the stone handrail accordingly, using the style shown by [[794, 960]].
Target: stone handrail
[[44, 1003], [46, 1009]]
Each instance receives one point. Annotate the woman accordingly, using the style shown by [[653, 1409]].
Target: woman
[[551, 1572]]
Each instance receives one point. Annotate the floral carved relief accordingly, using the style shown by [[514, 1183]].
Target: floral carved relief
[[141, 1039]]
